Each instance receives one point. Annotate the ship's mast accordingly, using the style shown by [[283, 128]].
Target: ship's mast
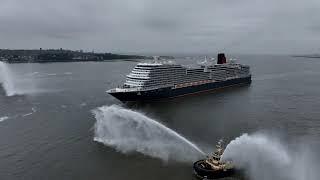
[[155, 59]]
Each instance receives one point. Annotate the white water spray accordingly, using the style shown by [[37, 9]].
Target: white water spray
[[6, 79], [15, 84], [265, 157], [129, 131]]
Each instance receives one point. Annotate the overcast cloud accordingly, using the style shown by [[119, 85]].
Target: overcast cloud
[[163, 26]]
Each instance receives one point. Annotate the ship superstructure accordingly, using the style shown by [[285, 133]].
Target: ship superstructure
[[163, 79]]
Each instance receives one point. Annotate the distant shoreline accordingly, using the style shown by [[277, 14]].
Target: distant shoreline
[[62, 55], [307, 56], [69, 61]]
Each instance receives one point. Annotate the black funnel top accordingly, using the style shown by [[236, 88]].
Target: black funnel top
[[221, 58]]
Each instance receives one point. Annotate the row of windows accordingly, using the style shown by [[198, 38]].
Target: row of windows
[[164, 80], [140, 72], [166, 70], [153, 76], [155, 84], [159, 67]]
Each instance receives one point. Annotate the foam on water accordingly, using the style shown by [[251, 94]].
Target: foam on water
[[129, 131], [32, 74], [265, 157], [3, 118], [83, 104], [28, 114], [52, 74]]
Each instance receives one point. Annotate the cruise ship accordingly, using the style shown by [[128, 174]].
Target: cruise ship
[[165, 79]]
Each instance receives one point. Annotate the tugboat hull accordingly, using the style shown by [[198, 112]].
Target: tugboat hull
[[203, 172]]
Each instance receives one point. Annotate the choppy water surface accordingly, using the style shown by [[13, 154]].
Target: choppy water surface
[[49, 123]]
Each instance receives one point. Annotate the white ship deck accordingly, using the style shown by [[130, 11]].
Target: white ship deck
[[156, 75]]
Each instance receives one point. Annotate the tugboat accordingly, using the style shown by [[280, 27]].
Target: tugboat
[[213, 167]]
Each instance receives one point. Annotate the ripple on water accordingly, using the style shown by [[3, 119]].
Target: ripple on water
[[3, 118]]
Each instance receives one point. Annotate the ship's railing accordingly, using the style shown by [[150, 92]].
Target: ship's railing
[[158, 62]]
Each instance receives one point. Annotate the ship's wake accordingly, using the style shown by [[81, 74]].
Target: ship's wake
[[129, 131], [265, 157]]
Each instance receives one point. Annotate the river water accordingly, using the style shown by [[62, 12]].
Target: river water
[[47, 129]]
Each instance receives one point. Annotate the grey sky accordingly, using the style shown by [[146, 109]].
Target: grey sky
[[163, 26]]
